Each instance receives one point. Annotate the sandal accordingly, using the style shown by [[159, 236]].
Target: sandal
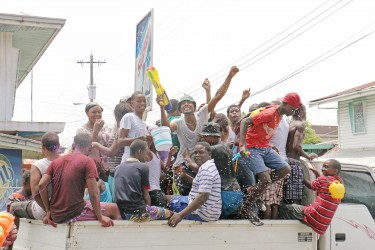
[[254, 219]]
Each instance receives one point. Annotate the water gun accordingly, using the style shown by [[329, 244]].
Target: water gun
[[236, 157], [6, 223], [152, 73]]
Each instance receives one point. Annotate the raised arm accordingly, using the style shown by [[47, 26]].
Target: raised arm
[[223, 89], [207, 87], [245, 95]]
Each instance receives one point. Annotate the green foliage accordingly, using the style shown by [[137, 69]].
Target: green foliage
[[310, 136]]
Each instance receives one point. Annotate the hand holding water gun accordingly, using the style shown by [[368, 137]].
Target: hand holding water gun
[[6, 226], [239, 155], [152, 73]]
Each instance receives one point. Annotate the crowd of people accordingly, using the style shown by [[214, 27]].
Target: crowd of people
[[116, 175]]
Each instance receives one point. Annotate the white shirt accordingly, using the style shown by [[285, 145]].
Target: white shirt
[[187, 138], [280, 138], [136, 128], [207, 181], [154, 167]]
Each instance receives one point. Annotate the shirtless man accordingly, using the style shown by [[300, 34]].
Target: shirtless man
[[293, 185]]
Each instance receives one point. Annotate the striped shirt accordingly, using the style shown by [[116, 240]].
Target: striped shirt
[[207, 181], [319, 214]]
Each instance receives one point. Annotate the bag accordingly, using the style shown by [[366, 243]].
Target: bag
[[336, 189]]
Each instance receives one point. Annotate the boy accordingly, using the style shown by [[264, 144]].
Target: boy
[[318, 215]]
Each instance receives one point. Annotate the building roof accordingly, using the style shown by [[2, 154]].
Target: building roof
[[359, 91], [31, 35], [326, 130]]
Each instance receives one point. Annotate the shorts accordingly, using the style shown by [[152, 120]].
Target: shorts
[[232, 202], [37, 211], [273, 193], [179, 203], [292, 212], [88, 213], [260, 158]]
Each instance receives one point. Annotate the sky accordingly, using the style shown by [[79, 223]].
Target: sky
[[312, 47]]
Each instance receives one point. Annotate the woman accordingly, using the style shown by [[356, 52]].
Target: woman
[[95, 128]]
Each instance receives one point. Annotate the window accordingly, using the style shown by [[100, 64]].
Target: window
[[359, 188], [357, 117]]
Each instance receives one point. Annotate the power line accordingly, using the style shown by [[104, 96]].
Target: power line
[[309, 65], [189, 91]]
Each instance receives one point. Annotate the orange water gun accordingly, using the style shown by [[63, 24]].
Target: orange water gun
[[152, 73], [6, 223]]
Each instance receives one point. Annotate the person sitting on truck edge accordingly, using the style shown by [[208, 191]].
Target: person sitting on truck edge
[[231, 194], [293, 186], [69, 175], [319, 214], [204, 200], [33, 209], [255, 134], [132, 187]]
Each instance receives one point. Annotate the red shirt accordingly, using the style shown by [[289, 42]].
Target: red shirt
[[69, 174], [264, 126], [319, 214]]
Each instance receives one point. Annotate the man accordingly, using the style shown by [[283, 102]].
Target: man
[[132, 187], [255, 134], [231, 194], [204, 200], [189, 127], [293, 186], [70, 174], [34, 209], [319, 214]]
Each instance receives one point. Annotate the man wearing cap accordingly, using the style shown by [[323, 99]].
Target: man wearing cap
[[189, 127], [255, 134]]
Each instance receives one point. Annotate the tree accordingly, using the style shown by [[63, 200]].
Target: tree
[[310, 136]]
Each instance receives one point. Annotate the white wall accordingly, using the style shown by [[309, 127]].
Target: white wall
[[346, 138]]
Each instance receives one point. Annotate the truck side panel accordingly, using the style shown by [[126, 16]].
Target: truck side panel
[[226, 234]]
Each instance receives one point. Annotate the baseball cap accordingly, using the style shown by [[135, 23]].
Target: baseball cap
[[125, 98], [211, 129], [292, 99]]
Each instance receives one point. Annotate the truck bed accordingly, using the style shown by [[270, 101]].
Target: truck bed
[[223, 234]]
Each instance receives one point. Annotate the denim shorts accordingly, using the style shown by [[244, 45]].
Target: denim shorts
[[261, 159], [179, 203]]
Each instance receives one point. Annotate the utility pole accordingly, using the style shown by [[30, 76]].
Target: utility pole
[[91, 88]]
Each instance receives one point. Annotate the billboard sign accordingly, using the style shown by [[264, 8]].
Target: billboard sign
[[10, 173], [144, 56]]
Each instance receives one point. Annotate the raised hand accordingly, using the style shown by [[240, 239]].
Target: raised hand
[[206, 84], [246, 94], [233, 71]]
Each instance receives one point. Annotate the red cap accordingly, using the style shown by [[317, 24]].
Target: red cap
[[292, 99]]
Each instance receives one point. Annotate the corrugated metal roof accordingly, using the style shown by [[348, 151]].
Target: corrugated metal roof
[[346, 93], [31, 35]]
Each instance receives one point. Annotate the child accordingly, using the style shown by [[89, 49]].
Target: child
[[318, 215]]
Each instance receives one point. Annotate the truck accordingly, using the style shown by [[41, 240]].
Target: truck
[[353, 226]]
